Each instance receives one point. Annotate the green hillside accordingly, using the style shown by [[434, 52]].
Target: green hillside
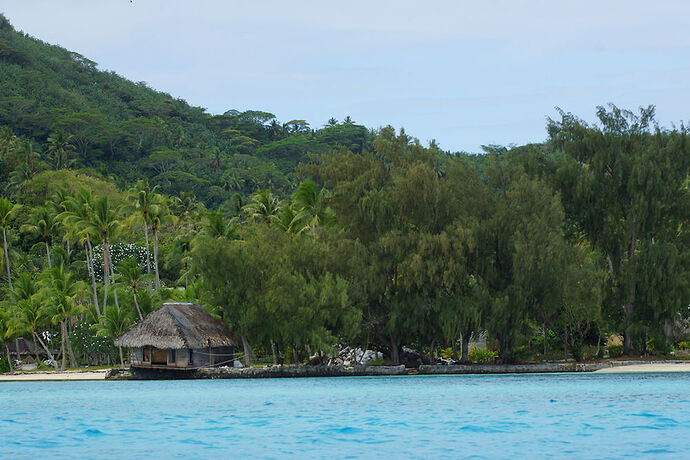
[[128, 131]]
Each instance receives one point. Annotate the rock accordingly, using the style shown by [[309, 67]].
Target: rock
[[237, 363]]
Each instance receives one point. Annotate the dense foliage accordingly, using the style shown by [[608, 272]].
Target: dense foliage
[[116, 198]]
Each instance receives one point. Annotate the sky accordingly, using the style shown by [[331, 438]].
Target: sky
[[465, 73]]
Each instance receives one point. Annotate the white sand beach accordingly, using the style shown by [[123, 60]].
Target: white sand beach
[[651, 367], [47, 376]]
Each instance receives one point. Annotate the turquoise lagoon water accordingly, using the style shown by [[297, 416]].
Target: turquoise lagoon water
[[507, 416]]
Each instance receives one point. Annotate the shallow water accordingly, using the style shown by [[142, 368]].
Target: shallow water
[[507, 416]]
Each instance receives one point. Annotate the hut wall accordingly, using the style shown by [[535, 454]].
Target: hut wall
[[182, 358], [136, 355], [201, 357], [223, 356]]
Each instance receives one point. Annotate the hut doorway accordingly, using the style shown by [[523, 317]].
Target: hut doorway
[[159, 356]]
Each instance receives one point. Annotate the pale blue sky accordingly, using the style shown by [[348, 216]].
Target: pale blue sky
[[463, 73]]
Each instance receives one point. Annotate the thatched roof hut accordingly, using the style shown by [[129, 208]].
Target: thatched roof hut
[[171, 335], [177, 326]]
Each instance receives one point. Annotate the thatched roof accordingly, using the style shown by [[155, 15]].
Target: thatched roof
[[177, 326]]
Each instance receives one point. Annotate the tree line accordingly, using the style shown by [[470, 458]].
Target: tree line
[[546, 248]]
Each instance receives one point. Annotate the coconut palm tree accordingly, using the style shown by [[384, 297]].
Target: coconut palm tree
[[77, 218], [218, 227], [113, 324], [31, 314], [131, 275], [157, 216], [103, 223], [43, 224], [312, 207], [59, 146], [8, 141], [264, 206], [7, 211], [7, 330], [145, 200], [61, 293]]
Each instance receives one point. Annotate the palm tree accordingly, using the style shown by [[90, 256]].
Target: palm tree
[[61, 292], [217, 227], [311, 205], [7, 331], [131, 274], [76, 218], [102, 222], [145, 200], [7, 210], [42, 223], [286, 219], [264, 206], [59, 146], [25, 151], [113, 324], [184, 205], [8, 141], [157, 216], [32, 315]]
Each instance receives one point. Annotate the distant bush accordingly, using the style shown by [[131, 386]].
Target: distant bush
[[684, 345], [482, 355], [4, 365], [615, 350]]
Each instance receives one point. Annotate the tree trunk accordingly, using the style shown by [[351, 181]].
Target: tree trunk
[[275, 354], [106, 274], [295, 355], [630, 307], [63, 333], [50, 264], [565, 345], [395, 350], [7, 258], [16, 350], [72, 359], [454, 346], [9, 358], [247, 351], [92, 273], [47, 350], [122, 360], [136, 302], [546, 341], [432, 351], [465, 348], [148, 253], [112, 273], [155, 258]]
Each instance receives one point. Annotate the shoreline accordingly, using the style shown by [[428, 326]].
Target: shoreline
[[55, 376], [606, 367]]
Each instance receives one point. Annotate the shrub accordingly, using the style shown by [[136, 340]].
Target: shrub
[[482, 355], [684, 345], [4, 365], [615, 350], [447, 353]]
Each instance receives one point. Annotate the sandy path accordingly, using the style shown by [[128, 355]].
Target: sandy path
[[44, 376], [654, 367]]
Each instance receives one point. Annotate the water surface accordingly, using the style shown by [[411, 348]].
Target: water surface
[[506, 416]]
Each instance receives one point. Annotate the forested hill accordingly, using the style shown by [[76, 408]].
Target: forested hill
[[126, 131]]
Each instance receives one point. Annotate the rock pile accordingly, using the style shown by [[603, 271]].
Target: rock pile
[[354, 356]]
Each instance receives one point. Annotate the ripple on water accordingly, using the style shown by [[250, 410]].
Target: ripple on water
[[441, 416]]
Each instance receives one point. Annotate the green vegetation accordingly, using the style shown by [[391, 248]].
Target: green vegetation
[[116, 198]]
